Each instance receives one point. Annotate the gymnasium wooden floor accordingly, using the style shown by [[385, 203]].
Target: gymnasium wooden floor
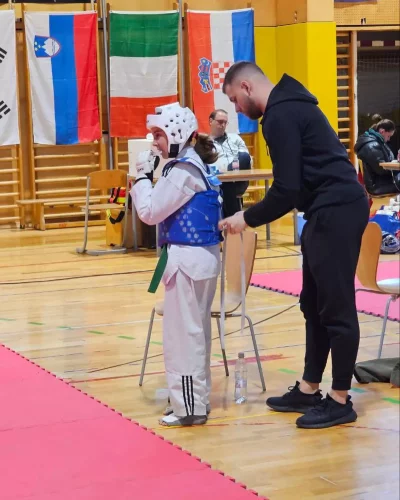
[[85, 319]]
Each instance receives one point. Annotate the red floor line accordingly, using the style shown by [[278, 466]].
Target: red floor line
[[269, 357], [72, 382]]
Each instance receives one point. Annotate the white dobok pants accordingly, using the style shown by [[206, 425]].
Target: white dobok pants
[[187, 342]]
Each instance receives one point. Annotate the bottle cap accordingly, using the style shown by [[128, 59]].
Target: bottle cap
[[241, 355]]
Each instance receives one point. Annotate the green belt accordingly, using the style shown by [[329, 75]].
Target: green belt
[[159, 270]]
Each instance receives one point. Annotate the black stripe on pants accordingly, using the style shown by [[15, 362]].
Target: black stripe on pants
[[331, 242], [188, 395]]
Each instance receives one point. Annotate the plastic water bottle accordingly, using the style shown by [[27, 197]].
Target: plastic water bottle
[[240, 380], [235, 163]]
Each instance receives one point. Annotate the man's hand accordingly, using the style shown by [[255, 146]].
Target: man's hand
[[145, 162], [234, 224]]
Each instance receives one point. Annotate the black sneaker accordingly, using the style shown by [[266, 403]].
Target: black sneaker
[[327, 414], [295, 400]]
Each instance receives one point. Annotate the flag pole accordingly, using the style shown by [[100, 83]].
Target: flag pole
[[181, 54], [31, 140], [107, 72]]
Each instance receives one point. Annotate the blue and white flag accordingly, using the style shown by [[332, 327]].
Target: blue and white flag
[[62, 57]]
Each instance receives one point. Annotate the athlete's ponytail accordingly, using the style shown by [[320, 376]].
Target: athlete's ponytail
[[205, 148]]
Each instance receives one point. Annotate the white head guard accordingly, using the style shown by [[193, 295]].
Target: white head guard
[[178, 124]]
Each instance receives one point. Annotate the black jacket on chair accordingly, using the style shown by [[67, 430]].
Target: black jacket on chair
[[372, 150]]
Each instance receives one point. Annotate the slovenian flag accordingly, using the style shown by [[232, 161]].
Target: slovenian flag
[[62, 57], [217, 39], [143, 68]]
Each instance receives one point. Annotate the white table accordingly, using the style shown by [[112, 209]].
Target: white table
[[259, 174], [393, 166]]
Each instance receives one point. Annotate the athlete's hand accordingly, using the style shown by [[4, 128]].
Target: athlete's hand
[[145, 162]]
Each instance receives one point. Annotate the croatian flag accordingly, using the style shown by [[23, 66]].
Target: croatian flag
[[217, 39], [62, 56]]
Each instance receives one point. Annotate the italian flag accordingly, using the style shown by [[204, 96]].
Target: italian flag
[[143, 68]]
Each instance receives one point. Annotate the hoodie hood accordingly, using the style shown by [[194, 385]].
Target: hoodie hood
[[373, 133], [289, 89], [367, 138]]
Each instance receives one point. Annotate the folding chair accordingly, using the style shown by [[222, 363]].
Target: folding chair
[[367, 272], [104, 180], [232, 294], [233, 291]]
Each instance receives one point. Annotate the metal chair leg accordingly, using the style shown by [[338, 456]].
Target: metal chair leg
[[268, 226], [390, 299], [295, 228], [146, 350], [126, 214], [125, 227], [223, 350], [85, 237], [134, 228], [260, 370]]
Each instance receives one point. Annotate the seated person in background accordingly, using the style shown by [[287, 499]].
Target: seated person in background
[[371, 149], [229, 147]]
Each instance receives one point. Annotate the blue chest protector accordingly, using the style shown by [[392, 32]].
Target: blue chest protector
[[196, 222]]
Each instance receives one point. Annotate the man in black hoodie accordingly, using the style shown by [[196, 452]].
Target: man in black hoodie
[[313, 174]]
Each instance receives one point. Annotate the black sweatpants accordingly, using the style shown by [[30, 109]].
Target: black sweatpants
[[331, 242]]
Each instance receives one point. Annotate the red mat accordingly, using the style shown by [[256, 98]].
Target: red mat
[[290, 283], [57, 443]]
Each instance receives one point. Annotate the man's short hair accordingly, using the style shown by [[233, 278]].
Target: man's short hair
[[215, 112], [238, 69]]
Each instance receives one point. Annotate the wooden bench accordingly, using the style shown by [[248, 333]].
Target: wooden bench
[[252, 189], [249, 190], [38, 206]]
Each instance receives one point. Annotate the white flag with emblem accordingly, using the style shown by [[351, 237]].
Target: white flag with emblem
[[9, 131]]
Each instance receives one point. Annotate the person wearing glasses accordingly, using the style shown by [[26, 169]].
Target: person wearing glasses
[[231, 150]]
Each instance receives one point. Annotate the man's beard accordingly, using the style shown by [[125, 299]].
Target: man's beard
[[251, 110]]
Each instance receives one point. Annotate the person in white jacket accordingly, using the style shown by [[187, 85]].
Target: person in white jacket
[[229, 147], [186, 203]]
